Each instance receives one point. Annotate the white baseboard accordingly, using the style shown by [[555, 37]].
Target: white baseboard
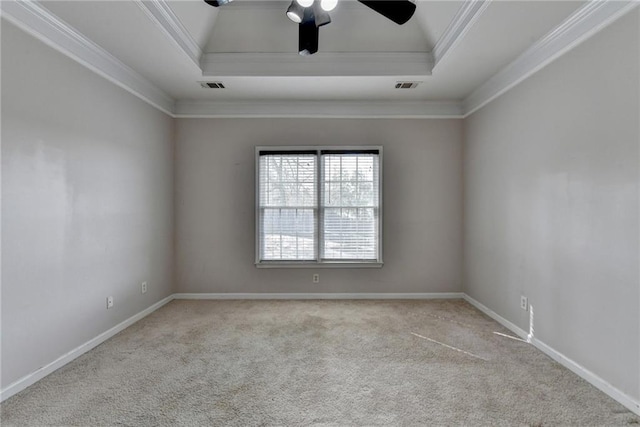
[[42, 372], [602, 385], [593, 379], [596, 381], [495, 316], [314, 296], [37, 375]]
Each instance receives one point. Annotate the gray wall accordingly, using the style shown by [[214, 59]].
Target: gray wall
[[215, 204], [551, 204], [87, 204]]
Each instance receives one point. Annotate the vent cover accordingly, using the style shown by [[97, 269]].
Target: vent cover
[[212, 85], [406, 85]]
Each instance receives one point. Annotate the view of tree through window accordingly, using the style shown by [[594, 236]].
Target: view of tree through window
[[350, 200], [289, 206], [318, 205]]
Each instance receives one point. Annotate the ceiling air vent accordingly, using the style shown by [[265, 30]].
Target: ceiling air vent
[[406, 85], [212, 85]]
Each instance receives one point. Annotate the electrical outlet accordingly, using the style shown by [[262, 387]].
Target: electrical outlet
[[524, 303], [109, 302], [143, 287], [316, 278]]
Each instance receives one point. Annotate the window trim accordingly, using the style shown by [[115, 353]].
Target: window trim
[[318, 263]]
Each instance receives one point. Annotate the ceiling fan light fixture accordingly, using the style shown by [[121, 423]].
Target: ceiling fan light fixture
[[328, 5], [305, 3], [295, 12], [320, 16]]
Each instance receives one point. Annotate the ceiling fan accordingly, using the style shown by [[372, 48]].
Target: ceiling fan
[[310, 15]]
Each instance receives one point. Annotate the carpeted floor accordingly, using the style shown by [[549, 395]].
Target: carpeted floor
[[329, 363]]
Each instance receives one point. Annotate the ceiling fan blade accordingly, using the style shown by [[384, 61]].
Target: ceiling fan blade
[[308, 35], [399, 11], [216, 3]]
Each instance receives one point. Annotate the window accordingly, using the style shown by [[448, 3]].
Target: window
[[318, 206]]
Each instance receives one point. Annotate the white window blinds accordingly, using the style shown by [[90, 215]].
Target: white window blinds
[[288, 206], [318, 205], [350, 216]]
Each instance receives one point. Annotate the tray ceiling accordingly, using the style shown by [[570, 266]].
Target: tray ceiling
[[451, 48]]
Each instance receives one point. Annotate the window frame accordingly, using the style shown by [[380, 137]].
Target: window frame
[[318, 262]]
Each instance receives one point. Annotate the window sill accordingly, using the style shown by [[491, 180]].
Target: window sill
[[333, 264]]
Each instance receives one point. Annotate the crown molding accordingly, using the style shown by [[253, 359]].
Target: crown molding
[[36, 20], [163, 16], [319, 64], [318, 109], [578, 27], [462, 22]]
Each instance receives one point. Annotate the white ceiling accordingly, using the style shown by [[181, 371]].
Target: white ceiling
[[261, 26], [451, 47]]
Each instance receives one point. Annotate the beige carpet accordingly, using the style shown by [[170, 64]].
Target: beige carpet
[[329, 363]]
